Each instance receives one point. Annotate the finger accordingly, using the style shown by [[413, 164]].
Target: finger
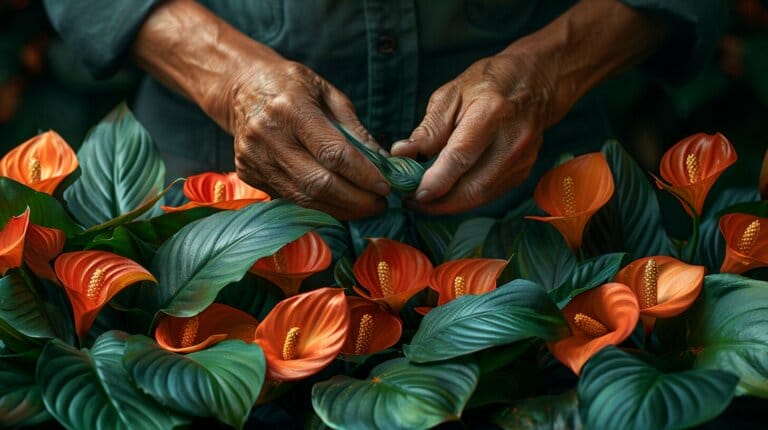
[[329, 148], [468, 142], [505, 165], [434, 130], [341, 109], [314, 183]]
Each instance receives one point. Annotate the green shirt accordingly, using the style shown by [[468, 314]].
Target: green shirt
[[388, 56]]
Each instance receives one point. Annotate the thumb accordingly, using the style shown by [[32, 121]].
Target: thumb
[[434, 130]]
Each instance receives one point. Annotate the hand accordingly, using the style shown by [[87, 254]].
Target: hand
[[282, 119], [486, 126], [281, 113]]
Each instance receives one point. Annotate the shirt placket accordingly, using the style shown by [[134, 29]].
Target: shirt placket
[[392, 68]]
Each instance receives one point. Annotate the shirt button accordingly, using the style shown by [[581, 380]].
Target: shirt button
[[386, 45]]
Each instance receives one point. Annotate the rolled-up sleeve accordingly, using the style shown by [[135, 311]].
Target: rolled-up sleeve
[[698, 25], [100, 32]]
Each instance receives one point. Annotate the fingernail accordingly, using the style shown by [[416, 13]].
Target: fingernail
[[381, 188], [422, 195]]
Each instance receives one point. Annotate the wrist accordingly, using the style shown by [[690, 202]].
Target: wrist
[[191, 50]]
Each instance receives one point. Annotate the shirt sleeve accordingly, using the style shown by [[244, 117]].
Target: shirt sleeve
[[697, 27], [99, 32]]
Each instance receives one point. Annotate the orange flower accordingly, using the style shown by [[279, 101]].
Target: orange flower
[[12, 241], [294, 262], [304, 333], [664, 286], [43, 244], [216, 323], [746, 242], [464, 276], [372, 328], [220, 191], [92, 278], [603, 316], [572, 192], [391, 272], [40, 163], [691, 166]]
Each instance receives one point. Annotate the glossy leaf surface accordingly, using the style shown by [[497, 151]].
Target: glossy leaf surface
[[222, 381], [517, 310], [397, 395]]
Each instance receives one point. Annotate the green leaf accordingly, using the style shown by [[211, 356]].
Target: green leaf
[[515, 311], [149, 206], [90, 388], [342, 273], [635, 208], [403, 174], [560, 411], [729, 330], [21, 403], [397, 395], [469, 238], [588, 275], [390, 224], [620, 391], [252, 294], [223, 381], [159, 229], [121, 170], [20, 308], [44, 210], [434, 236], [207, 255], [542, 256]]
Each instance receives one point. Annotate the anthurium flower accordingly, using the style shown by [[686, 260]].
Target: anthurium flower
[[691, 166], [92, 278], [43, 244], [12, 241], [218, 190], [464, 276], [391, 272], [746, 242], [304, 333], [40, 163], [603, 316], [294, 262], [572, 192], [664, 286], [372, 329], [214, 324]]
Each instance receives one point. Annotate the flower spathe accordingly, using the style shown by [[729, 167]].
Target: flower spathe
[[603, 316], [391, 272], [92, 278], [572, 192], [294, 262], [40, 163], [664, 286], [690, 168], [456, 278], [372, 329], [12, 241], [43, 244], [746, 242], [214, 324], [304, 333], [218, 190]]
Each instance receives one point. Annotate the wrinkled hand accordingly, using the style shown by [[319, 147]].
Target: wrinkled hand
[[282, 115], [486, 126]]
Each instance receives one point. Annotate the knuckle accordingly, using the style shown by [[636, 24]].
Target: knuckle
[[332, 156], [458, 159], [318, 184]]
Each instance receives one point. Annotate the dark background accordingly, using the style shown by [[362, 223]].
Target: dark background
[[43, 87]]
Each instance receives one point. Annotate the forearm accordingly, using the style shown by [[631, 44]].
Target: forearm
[[593, 40], [191, 50]]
